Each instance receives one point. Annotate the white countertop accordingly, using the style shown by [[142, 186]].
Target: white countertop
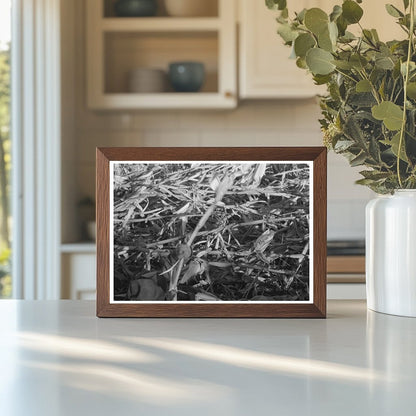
[[57, 358]]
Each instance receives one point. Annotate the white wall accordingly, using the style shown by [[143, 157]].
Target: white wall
[[257, 123]]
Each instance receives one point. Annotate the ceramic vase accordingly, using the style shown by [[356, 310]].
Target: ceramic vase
[[391, 253]]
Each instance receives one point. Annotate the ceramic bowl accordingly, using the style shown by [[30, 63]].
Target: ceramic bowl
[[147, 80], [135, 8], [191, 8], [186, 76]]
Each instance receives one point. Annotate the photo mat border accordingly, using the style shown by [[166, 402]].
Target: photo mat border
[[111, 248]]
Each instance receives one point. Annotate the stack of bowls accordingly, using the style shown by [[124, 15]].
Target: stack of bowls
[[147, 80], [191, 8]]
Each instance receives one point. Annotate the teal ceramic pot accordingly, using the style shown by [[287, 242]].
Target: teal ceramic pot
[[186, 76], [135, 8]]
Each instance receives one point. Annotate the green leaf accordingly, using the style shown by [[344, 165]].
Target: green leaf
[[281, 19], [316, 20], [301, 63], [342, 25], [374, 150], [388, 112], [301, 15], [348, 36], [382, 89], [358, 61], [375, 35], [351, 11], [363, 86], [321, 79], [374, 174], [319, 61], [333, 32], [406, 4], [344, 65], [353, 131], [287, 33], [362, 99], [384, 62], [276, 4], [411, 90], [405, 21], [343, 145], [358, 160], [394, 145], [325, 42], [368, 36], [336, 12], [412, 67], [303, 43], [393, 11]]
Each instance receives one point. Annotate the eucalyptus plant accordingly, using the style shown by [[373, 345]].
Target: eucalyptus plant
[[369, 111]]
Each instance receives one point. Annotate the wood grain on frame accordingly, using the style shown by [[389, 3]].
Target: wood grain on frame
[[317, 309]]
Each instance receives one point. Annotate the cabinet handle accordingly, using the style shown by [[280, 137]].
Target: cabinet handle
[[229, 94]]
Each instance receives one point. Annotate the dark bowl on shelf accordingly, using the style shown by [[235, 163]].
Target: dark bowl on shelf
[[186, 76], [135, 8]]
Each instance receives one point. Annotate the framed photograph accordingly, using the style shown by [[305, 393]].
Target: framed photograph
[[211, 232]]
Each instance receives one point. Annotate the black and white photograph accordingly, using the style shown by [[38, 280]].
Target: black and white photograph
[[211, 232]]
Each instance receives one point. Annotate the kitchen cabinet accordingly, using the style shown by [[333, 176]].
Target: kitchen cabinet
[[346, 277], [265, 70], [78, 263], [118, 45]]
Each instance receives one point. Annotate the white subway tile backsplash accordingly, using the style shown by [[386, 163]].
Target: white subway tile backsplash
[[96, 120], [171, 138], [145, 120], [231, 138], [282, 137], [88, 140], [202, 120]]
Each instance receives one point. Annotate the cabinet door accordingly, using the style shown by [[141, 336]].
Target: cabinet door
[[117, 45], [265, 68], [78, 276], [376, 17]]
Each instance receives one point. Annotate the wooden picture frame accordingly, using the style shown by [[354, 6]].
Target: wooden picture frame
[[248, 159]]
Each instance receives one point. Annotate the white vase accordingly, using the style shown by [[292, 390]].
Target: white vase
[[391, 253]]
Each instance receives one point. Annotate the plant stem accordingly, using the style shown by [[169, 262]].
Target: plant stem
[[373, 88], [346, 75], [406, 80]]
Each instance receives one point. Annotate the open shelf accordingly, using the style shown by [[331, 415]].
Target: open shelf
[[119, 45], [160, 24], [210, 7], [126, 51], [85, 247], [167, 100]]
